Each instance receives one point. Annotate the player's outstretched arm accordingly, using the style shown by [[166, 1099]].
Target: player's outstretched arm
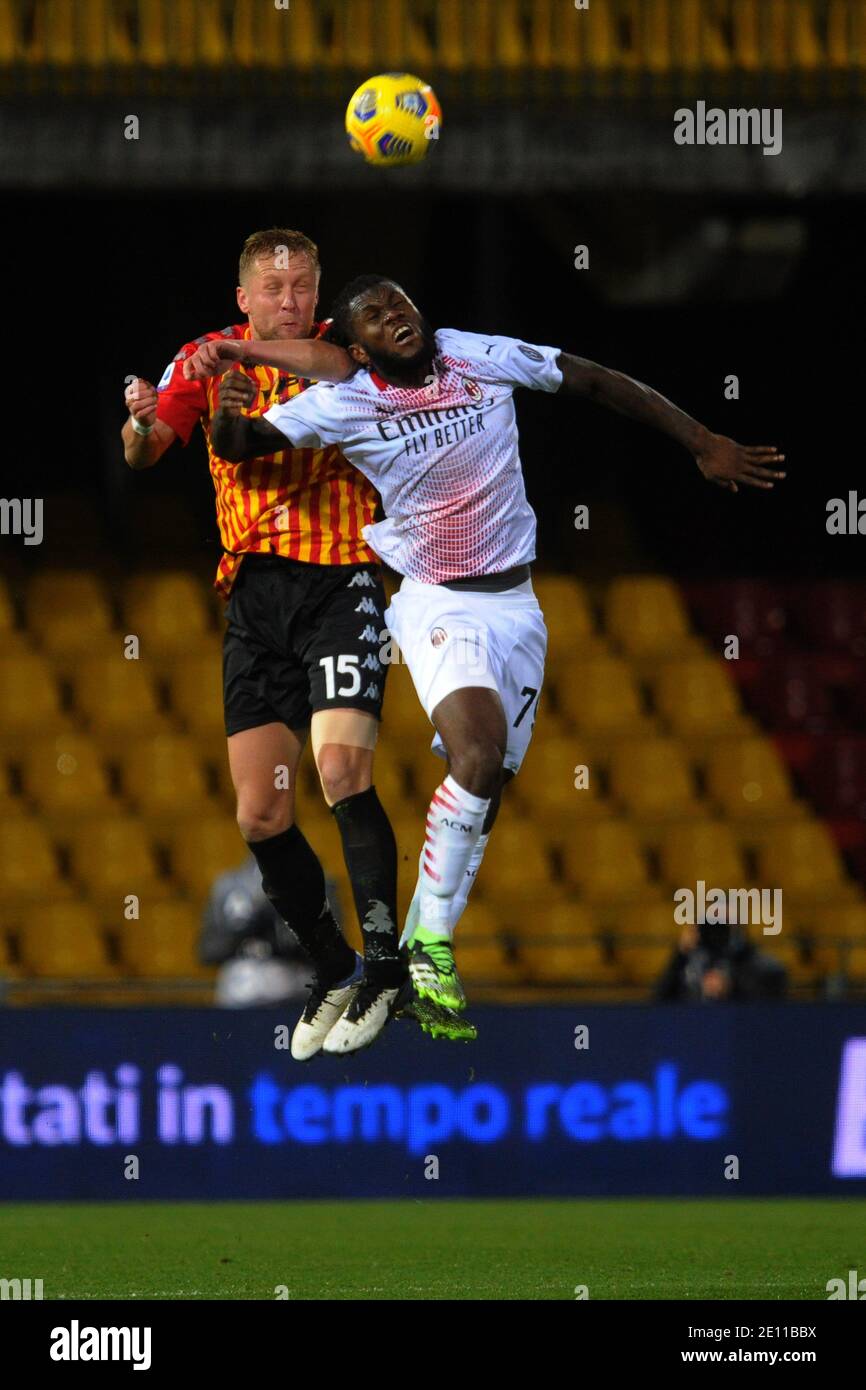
[[235, 436], [721, 460], [145, 439], [304, 357]]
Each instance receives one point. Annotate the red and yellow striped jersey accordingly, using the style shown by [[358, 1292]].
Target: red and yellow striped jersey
[[306, 504]]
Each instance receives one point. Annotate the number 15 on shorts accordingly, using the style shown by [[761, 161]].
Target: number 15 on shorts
[[347, 665]]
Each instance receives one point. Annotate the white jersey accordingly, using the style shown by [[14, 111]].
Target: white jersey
[[444, 457]]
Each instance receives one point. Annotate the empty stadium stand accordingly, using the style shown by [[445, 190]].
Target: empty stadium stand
[[655, 763]]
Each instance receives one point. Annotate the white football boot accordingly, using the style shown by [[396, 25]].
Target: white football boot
[[324, 1007], [364, 1019]]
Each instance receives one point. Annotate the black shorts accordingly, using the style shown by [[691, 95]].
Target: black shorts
[[301, 638]]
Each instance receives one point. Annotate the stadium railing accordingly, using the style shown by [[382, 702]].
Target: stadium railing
[[816, 48]]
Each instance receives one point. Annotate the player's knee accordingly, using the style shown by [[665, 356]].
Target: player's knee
[[477, 766], [343, 771], [259, 820]]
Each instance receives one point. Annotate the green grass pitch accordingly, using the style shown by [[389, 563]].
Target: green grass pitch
[[620, 1249]]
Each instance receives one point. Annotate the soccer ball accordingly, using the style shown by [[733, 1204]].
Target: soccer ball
[[392, 118]]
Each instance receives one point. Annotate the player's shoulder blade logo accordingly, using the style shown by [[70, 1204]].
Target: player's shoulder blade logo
[[438, 636], [472, 389]]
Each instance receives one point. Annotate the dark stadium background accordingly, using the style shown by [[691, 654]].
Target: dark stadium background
[[128, 279]]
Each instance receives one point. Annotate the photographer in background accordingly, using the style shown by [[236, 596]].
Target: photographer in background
[[260, 959], [715, 962]]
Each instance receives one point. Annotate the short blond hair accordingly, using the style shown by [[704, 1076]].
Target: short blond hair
[[277, 241]]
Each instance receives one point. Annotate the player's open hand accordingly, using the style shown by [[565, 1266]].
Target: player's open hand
[[213, 358], [726, 463], [141, 401], [237, 392]]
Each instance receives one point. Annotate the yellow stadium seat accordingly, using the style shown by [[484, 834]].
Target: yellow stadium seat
[[29, 867], [164, 777], [565, 920], [486, 963], [601, 698], [516, 864], [169, 613], [802, 859], [10, 803], [839, 46], [403, 718], [803, 969], [642, 965], [651, 778], [113, 858], [479, 921], [646, 616], [66, 775], [545, 784], [560, 961], [29, 699], [163, 942], [748, 779], [567, 615], [423, 767], [389, 776], [320, 829], [63, 941], [195, 682], [118, 699], [698, 699], [855, 965], [67, 611], [7, 614], [832, 920], [653, 921], [203, 849], [603, 859], [701, 849]]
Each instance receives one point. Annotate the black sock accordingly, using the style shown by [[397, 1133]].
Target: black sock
[[294, 880], [370, 852]]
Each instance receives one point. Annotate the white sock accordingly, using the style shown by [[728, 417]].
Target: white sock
[[458, 904], [454, 825]]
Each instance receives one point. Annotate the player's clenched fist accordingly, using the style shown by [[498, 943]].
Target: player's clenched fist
[[141, 401], [212, 359], [237, 393]]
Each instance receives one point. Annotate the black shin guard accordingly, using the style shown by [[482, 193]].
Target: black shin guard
[[294, 881], [370, 852]]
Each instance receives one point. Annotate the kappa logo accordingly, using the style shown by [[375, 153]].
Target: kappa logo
[[366, 606], [378, 918], [369, 634], [370, 663], [438, 636], [372, 691], [472, 389], [361, 580]]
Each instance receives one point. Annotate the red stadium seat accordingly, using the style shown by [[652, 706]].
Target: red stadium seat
[[756, 612], [833, 616], [836, 777], [792, 694]]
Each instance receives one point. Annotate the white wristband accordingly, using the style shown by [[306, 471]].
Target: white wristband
[[140, 429]]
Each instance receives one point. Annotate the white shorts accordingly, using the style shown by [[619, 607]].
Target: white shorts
[[453, 638]]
